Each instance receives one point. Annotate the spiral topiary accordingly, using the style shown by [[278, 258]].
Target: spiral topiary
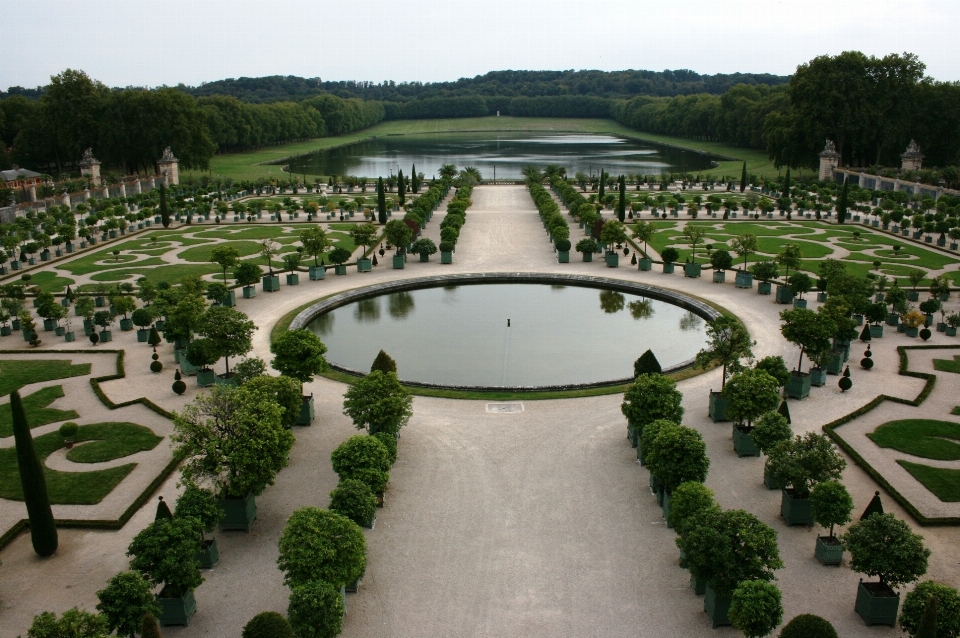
[[178, 385]]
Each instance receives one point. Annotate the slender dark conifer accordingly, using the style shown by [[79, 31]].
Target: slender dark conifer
[[401, 188], [164, 211], [43, 529], [381, 203], [622, 204], [743, 177]]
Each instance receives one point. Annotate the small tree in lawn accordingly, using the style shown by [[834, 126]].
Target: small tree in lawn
[[124, 602], [378, 403], [694, 233], [229, 331], [398, 233], [744, 245], [756, 608], [831, 505], [320, 545], [750, 394], [727, 343], [225, 256], [808, 330], [651, 397], [915, 609], [885, 547], [789, 257], [315, 243]]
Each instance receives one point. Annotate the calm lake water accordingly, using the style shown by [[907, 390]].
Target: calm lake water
[[458, 335], [508, 152]]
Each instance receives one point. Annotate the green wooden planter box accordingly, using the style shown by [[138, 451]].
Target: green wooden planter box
[[876, 331], [719, 276], [877, 604], [186, 367], [49, 325], [176, 611], [588, 256], [951, 331], [228, 381], [126, 325], [206, 378], [717, 608], [293, 279], [69, 337], [644, 264], [317, 273], [795, 511], [238, 513], [743, 443], [563, 256], [249, 292], [230, 300], [784, 294], [764, 288], [446, 257], [692, 270], [718, 407], [829, 553], [270, 283], [912, 332], [818, 377], [142, 336], [698, 585], [59, 331], [340, 269], [769, 481], [106, 336], [668, 268], [799, 303], [613, 259], [209, 555], [665, 507], [424, 257], [913, 295], [398, 262], [798, 386], [306, 411], [366, 265], [821, 297]]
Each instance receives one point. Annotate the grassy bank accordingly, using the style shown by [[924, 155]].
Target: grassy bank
[[240, 166]]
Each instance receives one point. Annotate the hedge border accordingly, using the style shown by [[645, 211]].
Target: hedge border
[[930, 381], [145, 495]]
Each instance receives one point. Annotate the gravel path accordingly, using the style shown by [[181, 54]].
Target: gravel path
[[536, 523]]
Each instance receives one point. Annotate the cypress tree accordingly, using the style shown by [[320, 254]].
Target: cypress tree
[[743, 177], [646, 364], [784, 411], [381, 203], [414, 180], [401, 188], [786, 184], [622, 204], [842, 202], [164, 211], [384, 363], [43, 529], [600, 192]]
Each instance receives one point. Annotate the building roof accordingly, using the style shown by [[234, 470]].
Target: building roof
[[16, 174]]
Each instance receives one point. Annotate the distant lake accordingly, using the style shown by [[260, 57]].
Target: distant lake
[[509, 152]]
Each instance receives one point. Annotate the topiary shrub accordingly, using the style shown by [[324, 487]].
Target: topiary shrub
[[268, 624], [178, 385], [149, 628], [384, 363], [669, 254], [390, 442], [354, 500], [562, 245], [689, 500], [676, 455], [316, 610], [756, 608], [925, 333], [808, 626], [948, 609], [321, 545], [69, 430], [646, 364], [156, 366], [770, 429]]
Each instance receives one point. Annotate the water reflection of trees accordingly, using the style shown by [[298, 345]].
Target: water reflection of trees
[[641, 309], [690, 321], [323, 325], [401, 303], [611, 301], [367, 310]]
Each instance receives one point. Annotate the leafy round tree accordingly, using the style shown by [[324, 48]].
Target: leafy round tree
[[247, 273], [802, 462], [948, 609], [354, 500], [727, 343], [363, 458], [339, 255], [678, 454], [284, 390], [166, 553], [200, 505], [775, 367], [650, 432], [756, 608], [390, 442], [810, 331], [745, 245], [267, 624], [398, 233], [320, 545], [669, 254], [721, 260], [689, 500], [883, 546], [831, 504], [808, 626], [378, 403], [149, 628], [299, 354], [750, 394], [73, 623], [316, 610], [771, 428], [229, 332], [124, 602], [225, 256], [652, 397], [232, 438]]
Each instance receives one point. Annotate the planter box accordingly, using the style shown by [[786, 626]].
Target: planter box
[[718, 407], [877, 604], [719, 276], [105, 336], [249, 292], [858, 319], [645, 264], [176, 611], [293, 279], [49, 325], [913, 332], [717, 608], [821, 297], [784, 294], [665, 506], [563, 256], [799, 303], [270, 283], [446, 257], [366, 265], [229, 301], [317, 273], [698, 585], [951, 331], [340, 269], [222, 380], [818, 377], [209, 555], [59, 331], [424, 257], [692, 270], [668, 268], [913, 295], [126, 325], [612, 259], [143, 335], [398, 262], [744, 279], [588, 256], [206, 377], [238, 513], [764, 288], [743, 443], [893, 319], [876, 331], [798, 386], [306, 411], [829, 550], [795, 511], [69, 337]]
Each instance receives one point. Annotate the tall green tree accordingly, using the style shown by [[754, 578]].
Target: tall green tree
[[727, 343], [743, 177], [401, 188], [381, 203], [43, 529], [622, 202], [414, 180], [600, 192], [843, 202], [164, 210]]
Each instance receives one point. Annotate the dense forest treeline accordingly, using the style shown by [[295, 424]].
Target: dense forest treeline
[[870, 107]]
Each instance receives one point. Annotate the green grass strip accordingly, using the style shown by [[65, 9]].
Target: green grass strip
[[16, 373], [35, 406], [943, 482], [920, 437]]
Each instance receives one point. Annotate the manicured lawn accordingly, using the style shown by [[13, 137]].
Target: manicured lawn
[[14, 374], [49, 282], [35, 406], [171, 273], [938, 440], [249, 232], [947, 365], [204, 253], [943, 482], [112, 441]]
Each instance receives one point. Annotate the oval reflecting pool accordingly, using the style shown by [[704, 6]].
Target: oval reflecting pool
[[513, 335]]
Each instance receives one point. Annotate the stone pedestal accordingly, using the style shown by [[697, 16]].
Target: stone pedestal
[[912, 159], [169, 167], [829, 160], [90, 167]]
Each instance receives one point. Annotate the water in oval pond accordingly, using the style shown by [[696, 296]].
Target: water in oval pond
[[508, 151], [458, 335]]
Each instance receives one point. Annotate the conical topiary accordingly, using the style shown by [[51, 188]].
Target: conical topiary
[[154, 338], [865, 333], [646, 364], [784, 411], [43, 529], [150, 628], [163, 510], [845, 382], [384, 363], [874, 507], [928, 623]]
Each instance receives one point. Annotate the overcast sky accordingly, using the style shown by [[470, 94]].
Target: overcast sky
[[150, 43]]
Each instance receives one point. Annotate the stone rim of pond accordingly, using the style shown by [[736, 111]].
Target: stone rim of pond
[[701, 309]]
